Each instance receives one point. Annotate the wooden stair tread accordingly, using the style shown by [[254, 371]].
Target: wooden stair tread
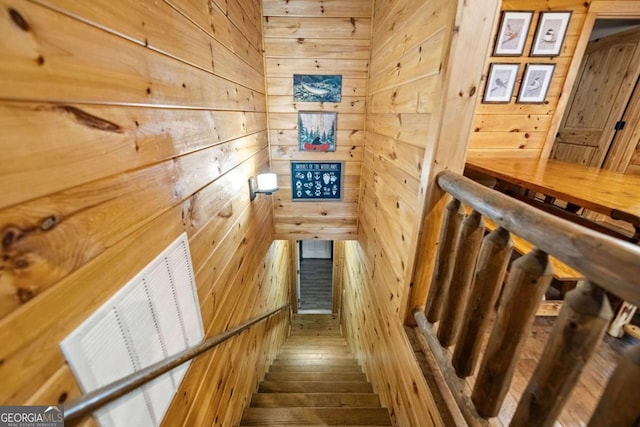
[[315, 380], [314, 387], [315, 416], [284, 400], [316, 368], [315, 333], [303, 349], [327, 361], [306, 356], [315, 376]]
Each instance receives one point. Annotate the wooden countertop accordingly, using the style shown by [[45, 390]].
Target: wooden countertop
[[604, 191]]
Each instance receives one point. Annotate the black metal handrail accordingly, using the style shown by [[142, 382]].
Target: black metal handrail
[[89, 402]]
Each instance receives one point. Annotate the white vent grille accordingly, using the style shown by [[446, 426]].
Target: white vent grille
[[154, 316]]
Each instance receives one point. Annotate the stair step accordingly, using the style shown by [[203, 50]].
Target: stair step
[[316, 333], [355, 369], [314, 376], [289, 400], [304, 349], [316, 416], [320, 339], [315, 344], [313, 356], [315, 380], [315, 361], [297, 317], [314, 387]]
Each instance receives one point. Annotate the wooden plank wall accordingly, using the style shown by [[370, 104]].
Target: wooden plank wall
[[520, 130], [410, 41], [316, 37], [124, 124], [634, 164]]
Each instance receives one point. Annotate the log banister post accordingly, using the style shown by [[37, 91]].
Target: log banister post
[[619, 404], [576, 333], [466, 285], [529, 279], [468, 244], [444, 264], [492, 264]]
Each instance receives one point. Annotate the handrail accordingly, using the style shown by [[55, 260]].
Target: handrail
[[611, 263], [472, 296], [97, 398]]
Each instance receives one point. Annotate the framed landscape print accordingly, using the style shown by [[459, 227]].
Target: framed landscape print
[[317, 88], [552, 28], [535, 83], [500, 83], [512, 35], [317, 131], [316, 181]]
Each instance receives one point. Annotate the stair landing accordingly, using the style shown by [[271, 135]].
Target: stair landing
[[315, 380]]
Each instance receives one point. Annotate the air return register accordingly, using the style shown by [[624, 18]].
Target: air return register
[[152, 317]]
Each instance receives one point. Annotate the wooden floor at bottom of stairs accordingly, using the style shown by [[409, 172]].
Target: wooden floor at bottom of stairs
[[315, 380]]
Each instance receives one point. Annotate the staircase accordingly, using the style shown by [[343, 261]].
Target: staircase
[[315, 380]]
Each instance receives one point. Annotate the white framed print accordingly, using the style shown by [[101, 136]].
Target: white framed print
[[512, 36], [535, 83], [550, 34], [500, 83]]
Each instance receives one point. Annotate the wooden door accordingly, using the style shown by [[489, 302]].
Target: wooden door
[[604, 85]]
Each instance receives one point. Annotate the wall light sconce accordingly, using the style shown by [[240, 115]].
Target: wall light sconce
[[266, 183]]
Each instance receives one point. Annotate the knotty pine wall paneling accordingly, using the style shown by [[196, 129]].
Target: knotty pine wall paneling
[[520, 130], [634, 164], [316, 37], [125, 124], [410, 42]]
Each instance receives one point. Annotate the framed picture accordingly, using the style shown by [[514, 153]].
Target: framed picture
[[500, 83], [552, 28], [535, 83], [316, 181], [317, 88], [317, 131], [514, 28]]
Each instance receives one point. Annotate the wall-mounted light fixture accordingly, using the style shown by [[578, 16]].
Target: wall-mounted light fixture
[[266, 183]]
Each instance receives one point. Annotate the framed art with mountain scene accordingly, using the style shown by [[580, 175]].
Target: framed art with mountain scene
[[317, 130], [317, 88]]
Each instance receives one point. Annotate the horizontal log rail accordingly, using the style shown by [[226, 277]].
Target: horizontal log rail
[[469, 282], [611, 263], [98, 398]]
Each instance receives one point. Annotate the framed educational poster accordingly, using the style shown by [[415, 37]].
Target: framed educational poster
[[317, 131], [316, 181], [317, 88]]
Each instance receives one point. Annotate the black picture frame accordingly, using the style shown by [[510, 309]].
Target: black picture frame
[[501, 81], [550, 33], [313, 181], [512, 33], [536, 81]]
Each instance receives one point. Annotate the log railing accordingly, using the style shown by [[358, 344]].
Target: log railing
[[469, 277]]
